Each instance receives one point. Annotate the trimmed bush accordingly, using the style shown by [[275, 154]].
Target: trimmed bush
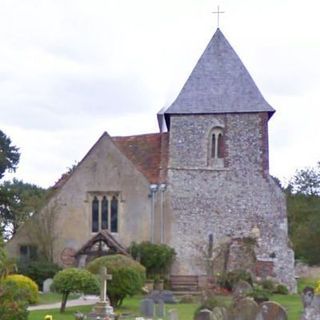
[[281, 289], [13, 301], [128, 276], [156, 258], [26, 284], [259, 294], [74, 280], [38, 271]]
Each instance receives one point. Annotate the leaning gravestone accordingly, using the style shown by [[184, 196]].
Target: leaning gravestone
[[220, 313], [204, 314], [46, 285], [147, 308], [245, 309], [173, 314], [240, 290], [271, 310]]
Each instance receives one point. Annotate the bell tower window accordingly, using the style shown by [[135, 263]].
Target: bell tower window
[[216, 147]]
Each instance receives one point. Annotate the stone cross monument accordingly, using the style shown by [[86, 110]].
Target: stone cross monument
[[103, 309]]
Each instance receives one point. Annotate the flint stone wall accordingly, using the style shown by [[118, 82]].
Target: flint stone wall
[[225, 201]]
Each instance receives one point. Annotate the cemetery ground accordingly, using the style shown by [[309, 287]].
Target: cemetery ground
[[292, 303]]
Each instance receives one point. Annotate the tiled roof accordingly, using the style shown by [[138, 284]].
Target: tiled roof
[[219, 83], [148, 152]]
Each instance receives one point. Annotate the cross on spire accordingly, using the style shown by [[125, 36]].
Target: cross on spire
[[218, 12]]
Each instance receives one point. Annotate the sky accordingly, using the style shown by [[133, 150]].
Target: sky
[[73, 69]]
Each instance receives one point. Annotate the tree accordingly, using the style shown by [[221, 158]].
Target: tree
[[128, 276], [7, 265], [306, 181], [19, 202], [9, 155], [74, 280], [43, 227]]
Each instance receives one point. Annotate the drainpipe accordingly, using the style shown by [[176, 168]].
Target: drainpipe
[[153, 190], [162, 188]]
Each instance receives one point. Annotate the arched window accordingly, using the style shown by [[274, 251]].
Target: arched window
[[216, 147], [95, 215], [104, 213], [114, 214]]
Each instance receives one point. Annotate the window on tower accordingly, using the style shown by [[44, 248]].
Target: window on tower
[[216, 147]]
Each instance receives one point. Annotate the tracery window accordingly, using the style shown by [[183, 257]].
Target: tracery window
[[105, 213]]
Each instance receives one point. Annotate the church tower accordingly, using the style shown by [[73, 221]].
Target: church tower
[[219, 185]]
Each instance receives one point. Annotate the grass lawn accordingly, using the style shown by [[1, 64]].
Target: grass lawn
[[292, 304]]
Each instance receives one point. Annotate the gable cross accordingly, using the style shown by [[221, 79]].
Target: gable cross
[[218, 12], [104, 276]]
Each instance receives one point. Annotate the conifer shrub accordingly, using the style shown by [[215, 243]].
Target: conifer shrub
[[128, 276], [27, 285]]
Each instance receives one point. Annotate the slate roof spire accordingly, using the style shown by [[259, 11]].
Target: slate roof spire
[[219, 83]]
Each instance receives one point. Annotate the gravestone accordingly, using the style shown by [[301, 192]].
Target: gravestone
[[164, 295], [240, 290], [160, 310], [204, 314], [245, 309], [220, 313], [173, 314], [147, 308], [270, 310], [311, 304], [46, 285]]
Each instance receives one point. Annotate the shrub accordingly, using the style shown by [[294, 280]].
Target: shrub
[[268, 285], [210, 304], [13, 302], [156, 258], [74, 280], [259, 294], [230, 279], [38, 271], [26, 284], [281, 289], [128, 276]]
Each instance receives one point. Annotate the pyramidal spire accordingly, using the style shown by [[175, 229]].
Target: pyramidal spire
[[219, 83]]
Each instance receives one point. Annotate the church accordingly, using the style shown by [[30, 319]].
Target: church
[[202, 180]]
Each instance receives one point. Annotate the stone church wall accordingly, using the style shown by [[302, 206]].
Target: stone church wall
[[225, 201], [104, 170]]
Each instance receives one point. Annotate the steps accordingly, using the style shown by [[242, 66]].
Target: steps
[[182, 285]]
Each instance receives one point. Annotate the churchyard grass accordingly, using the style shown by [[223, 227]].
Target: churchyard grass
[[292, 303]]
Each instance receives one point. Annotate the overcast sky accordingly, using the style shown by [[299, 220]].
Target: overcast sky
[[72, 69]]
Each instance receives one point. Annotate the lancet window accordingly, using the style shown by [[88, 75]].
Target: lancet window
[[216, 147], [105, 213]]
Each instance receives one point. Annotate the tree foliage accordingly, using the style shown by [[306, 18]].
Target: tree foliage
[[19, 202], [9, 155], [303, 204], [128, 276], [74, 280]]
